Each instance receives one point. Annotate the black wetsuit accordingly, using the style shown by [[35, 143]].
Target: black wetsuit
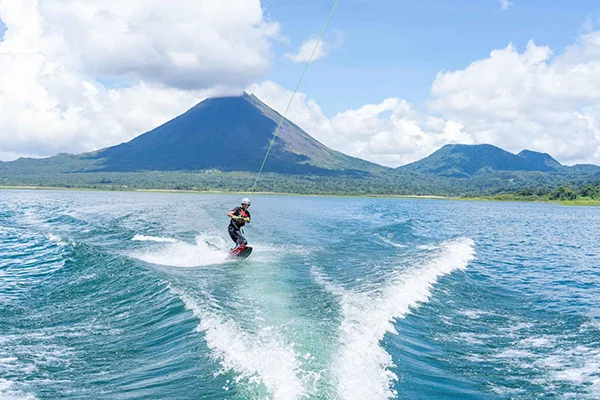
[[236, 224]]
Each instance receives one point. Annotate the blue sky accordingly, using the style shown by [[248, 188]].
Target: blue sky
[[393, 48]]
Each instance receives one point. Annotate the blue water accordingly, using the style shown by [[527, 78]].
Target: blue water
[[130, 296]]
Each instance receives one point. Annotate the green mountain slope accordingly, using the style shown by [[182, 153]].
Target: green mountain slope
[[463, 161]]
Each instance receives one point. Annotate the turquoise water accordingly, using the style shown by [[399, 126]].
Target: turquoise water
[[130, 296]]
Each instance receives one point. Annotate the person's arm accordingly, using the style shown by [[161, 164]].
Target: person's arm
[[232, 213]]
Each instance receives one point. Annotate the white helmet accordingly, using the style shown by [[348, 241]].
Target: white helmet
[[246, 200]]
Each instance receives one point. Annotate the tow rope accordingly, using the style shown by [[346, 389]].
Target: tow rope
[[294, 93]]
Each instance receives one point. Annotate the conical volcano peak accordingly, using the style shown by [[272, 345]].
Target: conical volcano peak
[[230, 133]]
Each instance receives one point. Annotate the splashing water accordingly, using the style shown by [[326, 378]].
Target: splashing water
[[362, 366], [207, 250]]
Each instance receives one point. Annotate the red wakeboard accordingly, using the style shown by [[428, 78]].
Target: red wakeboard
[[242, 251]]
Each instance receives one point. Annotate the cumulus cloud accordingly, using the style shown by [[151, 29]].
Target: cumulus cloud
[[307, 48], [196, 44], [368, 132], [56, 53], [515, 100], [530, 99], [505, 4]]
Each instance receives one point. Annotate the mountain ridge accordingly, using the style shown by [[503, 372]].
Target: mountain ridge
[[466, 161], [541, 159], [231, 134]]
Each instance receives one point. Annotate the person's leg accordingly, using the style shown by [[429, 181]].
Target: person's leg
[[240, 239], [231, 229], [236, 236]]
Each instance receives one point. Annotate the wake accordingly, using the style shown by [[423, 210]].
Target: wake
[[362, 367], [263, 357]]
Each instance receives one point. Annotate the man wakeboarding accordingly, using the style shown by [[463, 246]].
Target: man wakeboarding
[[240, 216]]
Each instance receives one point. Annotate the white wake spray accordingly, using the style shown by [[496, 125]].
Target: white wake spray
[[362, 367], [158, 239], [207, 250], [261, 357]]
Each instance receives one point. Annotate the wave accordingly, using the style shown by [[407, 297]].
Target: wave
[[7, 393], [57, 239], [397, 245], [260, 357], [362, 367], [158, 239], [27, 258], [556, 360], [578, 366]]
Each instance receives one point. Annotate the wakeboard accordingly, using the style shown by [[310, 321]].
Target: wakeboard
[[242, 253]]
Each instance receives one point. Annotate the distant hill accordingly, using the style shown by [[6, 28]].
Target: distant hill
[[584, 169], [463, 161], [543, 160]]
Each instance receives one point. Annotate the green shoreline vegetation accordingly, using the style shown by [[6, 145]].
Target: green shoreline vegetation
[[587, 195], [117, 189]]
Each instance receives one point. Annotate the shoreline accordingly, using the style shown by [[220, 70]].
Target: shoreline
[[294, 194], [78, 189], [581, 202]]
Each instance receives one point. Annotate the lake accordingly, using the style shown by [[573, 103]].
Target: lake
[[121, 295]]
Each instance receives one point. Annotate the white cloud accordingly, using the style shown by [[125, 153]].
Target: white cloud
[[406, 136], [323, 49], [307, 48], [54, 51], [505, 4], [196, 44], [530, 100]]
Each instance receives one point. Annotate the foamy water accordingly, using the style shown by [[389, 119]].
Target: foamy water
[[388, 241], [261, 357], [158, 239], [7, 392], [362, 366], [207, 250]]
